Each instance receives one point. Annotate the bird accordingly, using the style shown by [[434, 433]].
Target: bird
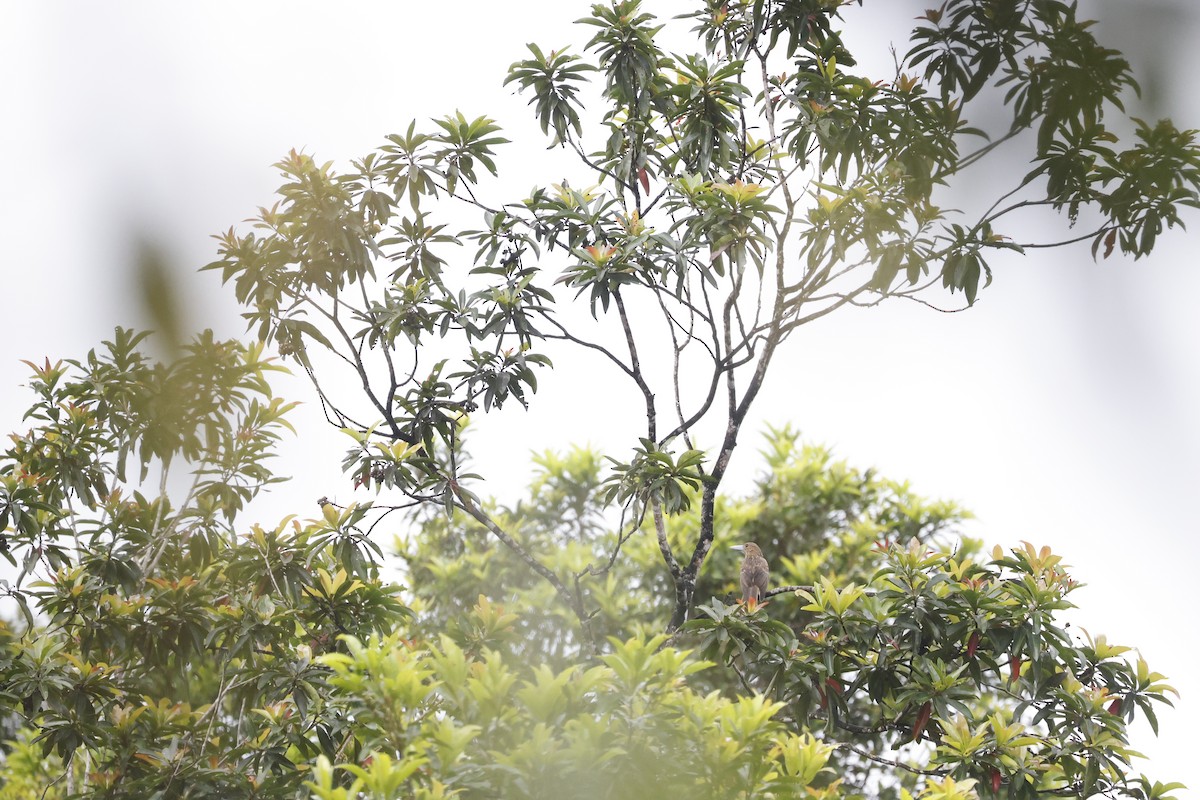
[[755, 573]]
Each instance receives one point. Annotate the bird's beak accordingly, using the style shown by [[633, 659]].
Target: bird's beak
[[737, 547]]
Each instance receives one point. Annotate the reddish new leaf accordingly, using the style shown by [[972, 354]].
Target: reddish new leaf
[[922, 720]]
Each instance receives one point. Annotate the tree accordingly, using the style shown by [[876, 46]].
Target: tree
[[738, 195], [173, 657], [918, 659], [153, 664]]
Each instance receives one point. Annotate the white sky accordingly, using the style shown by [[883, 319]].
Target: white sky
[[1061, 409]]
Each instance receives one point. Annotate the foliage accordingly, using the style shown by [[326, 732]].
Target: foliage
[[628, 727], [897, 658], [733, 196], [586, 642], [890, 636], [166, 652]]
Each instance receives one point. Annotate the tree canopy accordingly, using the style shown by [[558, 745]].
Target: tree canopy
[[725, 199], [587, 641]]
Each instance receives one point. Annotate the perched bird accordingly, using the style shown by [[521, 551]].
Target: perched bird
[[755, 573]]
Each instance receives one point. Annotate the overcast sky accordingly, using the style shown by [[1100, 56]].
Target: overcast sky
[[1061, 409]]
